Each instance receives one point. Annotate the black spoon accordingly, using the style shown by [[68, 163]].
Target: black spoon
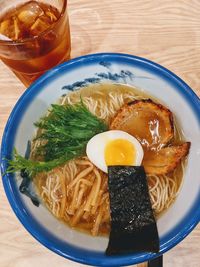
[[157, 262]]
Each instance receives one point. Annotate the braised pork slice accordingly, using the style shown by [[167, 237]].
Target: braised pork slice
[[166, 159], [149, 122], [152, 125]]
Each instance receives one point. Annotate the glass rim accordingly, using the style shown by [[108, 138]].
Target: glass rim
[[26, 40]]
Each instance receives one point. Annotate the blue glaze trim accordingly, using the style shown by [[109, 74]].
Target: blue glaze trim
[[42, 235], [115, 77], [105, 64], [79, 84]]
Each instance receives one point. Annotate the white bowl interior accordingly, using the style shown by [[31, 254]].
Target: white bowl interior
[[154, 85]]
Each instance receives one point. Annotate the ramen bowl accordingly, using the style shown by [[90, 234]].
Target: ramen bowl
[[151, 78]]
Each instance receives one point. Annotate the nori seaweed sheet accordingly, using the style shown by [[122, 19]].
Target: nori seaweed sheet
[[133, 226]]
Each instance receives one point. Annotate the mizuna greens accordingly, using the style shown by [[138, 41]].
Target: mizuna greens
[[65, 132]]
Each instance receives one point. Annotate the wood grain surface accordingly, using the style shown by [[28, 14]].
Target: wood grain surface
[[167, 32]]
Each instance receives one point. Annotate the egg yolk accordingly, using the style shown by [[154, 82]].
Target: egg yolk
[[119, 152]]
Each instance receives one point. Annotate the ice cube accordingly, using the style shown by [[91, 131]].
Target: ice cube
[[39, 26], [16, 29], [8, 29], [51, 16], [29, 12], [4, 27]]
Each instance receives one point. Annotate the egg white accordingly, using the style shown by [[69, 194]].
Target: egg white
[[96, 147]]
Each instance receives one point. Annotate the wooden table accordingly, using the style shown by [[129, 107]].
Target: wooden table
[[167, 32]]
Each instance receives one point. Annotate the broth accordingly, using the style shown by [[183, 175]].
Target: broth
[[104, 100]]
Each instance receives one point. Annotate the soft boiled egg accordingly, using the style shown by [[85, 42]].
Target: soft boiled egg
[[114, 148]]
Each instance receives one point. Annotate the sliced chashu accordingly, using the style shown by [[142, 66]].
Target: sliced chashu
[[166, 159], [150, 123]]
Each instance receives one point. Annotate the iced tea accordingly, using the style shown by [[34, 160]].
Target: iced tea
[[34, 37]]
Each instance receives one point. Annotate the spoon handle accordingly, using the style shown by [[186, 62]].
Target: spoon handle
[[157, 262]]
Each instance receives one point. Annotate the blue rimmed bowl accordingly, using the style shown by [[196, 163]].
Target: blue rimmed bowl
[[152, 78]]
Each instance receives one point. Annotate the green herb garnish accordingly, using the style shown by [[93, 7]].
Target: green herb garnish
[[65, 132]]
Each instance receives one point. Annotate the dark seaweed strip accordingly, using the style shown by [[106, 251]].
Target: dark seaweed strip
[[26, 184], [26, 188], [133, 226]]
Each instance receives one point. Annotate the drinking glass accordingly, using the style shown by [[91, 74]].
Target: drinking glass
[[29, 56]]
